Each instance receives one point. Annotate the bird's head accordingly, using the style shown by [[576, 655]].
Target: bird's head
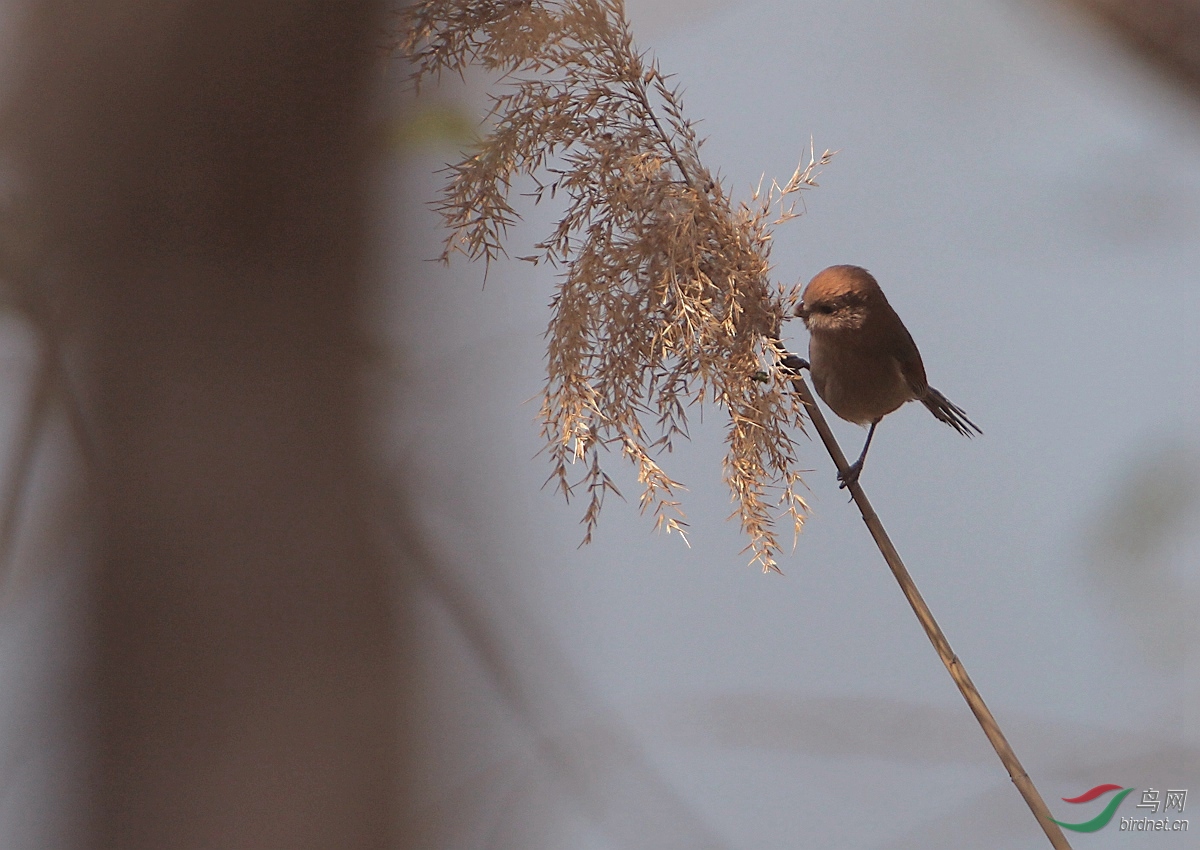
[[838, 299]]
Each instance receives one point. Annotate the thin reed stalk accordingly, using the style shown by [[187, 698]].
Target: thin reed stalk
[[932, 630]]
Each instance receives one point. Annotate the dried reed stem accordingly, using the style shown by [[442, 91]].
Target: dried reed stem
[[664, 301], [932, 630]]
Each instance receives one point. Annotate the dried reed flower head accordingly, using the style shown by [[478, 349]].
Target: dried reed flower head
[[664, 301]]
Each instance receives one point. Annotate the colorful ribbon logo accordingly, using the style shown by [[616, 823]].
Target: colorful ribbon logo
[[1101, 820]]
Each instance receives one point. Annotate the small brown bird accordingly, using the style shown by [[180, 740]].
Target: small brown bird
[[863, 361]]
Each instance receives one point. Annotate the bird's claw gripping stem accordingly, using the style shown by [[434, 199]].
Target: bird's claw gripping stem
[[793, 363], [850, 475]]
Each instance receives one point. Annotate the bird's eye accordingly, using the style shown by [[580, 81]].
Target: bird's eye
[[824, 308]]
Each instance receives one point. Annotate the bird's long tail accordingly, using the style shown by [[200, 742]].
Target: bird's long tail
[[950, 413]]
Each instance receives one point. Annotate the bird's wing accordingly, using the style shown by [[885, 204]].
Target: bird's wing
[[913, 371], [900, 343]]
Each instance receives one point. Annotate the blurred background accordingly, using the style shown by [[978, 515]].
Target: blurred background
[[322, 599]]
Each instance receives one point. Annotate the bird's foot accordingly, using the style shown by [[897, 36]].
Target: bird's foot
[[794, 363], [850, 475]]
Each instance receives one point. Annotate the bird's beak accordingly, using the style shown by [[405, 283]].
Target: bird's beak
[[802, 313]]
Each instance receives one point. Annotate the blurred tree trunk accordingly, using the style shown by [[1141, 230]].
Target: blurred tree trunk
[[199, 171], [1166, 32]]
